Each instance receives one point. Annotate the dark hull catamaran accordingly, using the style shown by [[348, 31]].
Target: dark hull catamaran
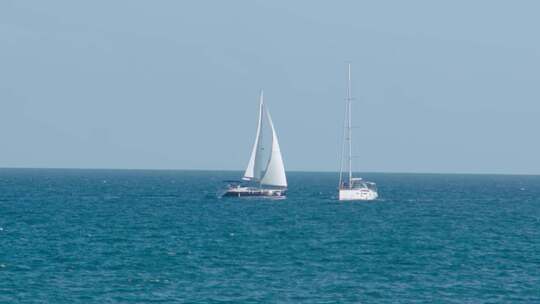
[[269, 173]]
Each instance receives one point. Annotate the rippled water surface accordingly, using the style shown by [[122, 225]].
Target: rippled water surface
[[104, 236]]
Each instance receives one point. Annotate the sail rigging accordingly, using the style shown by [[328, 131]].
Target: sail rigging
[[346, 153], [272, 171]]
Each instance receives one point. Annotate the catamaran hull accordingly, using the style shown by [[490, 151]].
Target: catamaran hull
[[255, 192], [357, 195]]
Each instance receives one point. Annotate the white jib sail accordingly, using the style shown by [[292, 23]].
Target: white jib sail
[[254, 168], [275, 170]]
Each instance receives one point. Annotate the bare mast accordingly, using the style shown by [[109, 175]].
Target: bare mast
[[349, 124], [347, 135]]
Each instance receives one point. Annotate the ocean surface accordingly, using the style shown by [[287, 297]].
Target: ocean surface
[[121, 236]]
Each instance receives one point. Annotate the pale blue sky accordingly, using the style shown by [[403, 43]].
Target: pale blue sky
[[448, 86]]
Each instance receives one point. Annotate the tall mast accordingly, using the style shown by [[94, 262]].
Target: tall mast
[[261, 117], [349, 124]]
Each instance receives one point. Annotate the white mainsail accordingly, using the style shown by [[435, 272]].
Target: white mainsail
[[275, 170], [254, 168], [271, 172]]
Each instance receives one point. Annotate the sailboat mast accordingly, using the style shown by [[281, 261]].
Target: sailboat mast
[[261, 116], [349, 124]]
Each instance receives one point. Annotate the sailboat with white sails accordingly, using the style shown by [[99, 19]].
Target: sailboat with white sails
[[265, 173], [352, 188]]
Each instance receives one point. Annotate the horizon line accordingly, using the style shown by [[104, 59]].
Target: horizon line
[[296, 171]]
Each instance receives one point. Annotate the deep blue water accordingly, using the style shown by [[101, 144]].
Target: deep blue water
[[107, 236]]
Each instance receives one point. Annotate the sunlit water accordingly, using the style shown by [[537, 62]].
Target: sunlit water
[[103, 236]]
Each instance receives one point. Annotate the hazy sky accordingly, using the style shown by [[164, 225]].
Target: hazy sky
[[449, 86]]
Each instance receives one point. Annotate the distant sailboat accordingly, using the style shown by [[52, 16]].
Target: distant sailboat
[[265, 171], [351, 188]]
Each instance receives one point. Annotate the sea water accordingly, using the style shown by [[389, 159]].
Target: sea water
[[113, 236]]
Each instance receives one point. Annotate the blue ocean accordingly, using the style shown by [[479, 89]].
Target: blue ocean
[[134, 236]]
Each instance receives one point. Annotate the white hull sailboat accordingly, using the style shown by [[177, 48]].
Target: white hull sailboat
[[265, 173], [352, 188]]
